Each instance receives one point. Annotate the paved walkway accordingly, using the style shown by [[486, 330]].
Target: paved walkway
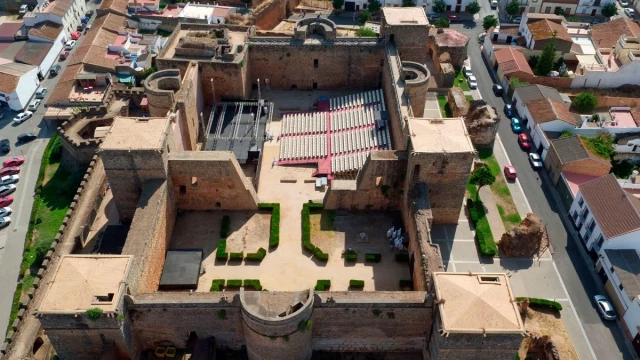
[[491, 210]]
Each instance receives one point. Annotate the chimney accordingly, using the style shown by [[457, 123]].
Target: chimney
[[634, 177]]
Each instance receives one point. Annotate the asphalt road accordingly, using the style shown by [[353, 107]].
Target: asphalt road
[[12, 237], [607, 339]]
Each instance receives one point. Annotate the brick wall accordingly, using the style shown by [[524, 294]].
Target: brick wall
[[409, 39], [339, 66], [267, 14], [189, 102], [588, 167]]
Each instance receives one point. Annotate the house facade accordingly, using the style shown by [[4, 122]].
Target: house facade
[[64, 12], [570, 155], [18, 82]]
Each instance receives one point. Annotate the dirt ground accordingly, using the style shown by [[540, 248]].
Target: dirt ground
[[541, 321]]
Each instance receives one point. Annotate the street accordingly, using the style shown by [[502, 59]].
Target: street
[[574, 267], [12, 237]]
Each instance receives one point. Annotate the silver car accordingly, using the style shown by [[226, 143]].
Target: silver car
[[7, 189], [10, 179], [4, 221], [604, 308], [473, 83], [5, 211], [535, 161]]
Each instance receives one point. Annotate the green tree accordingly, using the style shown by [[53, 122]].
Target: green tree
[[338, 4], [585, 103], [559, 12], [441, 23], [566, 134], [533, 61], [364, 16], [374, 6], [489, 21], [473, 7], [408, 3], [513, 7], [610, 10], [481, 177], [547, 58], [439, 6]]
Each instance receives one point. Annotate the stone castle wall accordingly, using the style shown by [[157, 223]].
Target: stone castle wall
[[189, 104], [160, 88]]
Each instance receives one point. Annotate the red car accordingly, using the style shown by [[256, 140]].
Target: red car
[[6, 201], [64, 55], [510, 172], [76, 35], [523, 140], [12, 170], [14, 161], [454, 19]]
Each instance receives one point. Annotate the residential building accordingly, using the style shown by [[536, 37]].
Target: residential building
[[14, 76], [570, 155], [64, 12], [539, 32], [628, 147], [511, 62], [210, 14], [569, 7], [617, 120], [357, 5], [116, 7], [617, 66], [39, 54], [606, 34], [143, 5]]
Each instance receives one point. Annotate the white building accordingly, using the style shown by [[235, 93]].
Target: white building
[[212, 14], [14, 76], [64, 12], [620, 66], [358, 5]]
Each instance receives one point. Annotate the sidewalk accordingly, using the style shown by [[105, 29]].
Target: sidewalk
[[493, 216]]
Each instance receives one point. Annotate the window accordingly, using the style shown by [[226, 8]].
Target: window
[[532, 9], [567, 11], [581, 201], [183, 189], [592, 225], [489, 279], [601, 242], [547, 10], [575, 215], [620, 287], [194, 182], [612, 270], [315, 63]]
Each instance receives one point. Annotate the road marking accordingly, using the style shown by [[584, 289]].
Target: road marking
[[22, 197]]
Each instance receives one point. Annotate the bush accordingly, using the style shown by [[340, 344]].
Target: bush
[[234, 283], [366, 32], [356, 283], [226, 225], [351, 256], [320, 255], [542, 302], [254, 283], [406, 284], [257, 256], [323, 285], [274, 232], [372, 257], [441, 23], [585, 103], [94, 313], [601, 145], [236, 256], [487, 246], [337, 4], [217, 284], [221, 253], [473, 213], [402, 257]]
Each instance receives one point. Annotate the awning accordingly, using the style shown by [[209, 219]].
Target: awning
[[85, 77], [126, 78]]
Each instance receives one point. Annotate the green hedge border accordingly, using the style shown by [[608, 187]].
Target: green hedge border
[[221, 252], [323, 285], [225, 228], [254, 283], [306, 230], [542, 302], [274, 232], [236, 255], [256, 256], [372, 257], [356, 283], [486, 243], [217, 284], [351, 256]]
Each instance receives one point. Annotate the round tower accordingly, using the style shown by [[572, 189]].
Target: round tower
[[416, 79], [160, 88]]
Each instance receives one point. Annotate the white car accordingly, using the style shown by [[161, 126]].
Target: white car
[[69, 44], [473, 83], [33, 106], [535, 160], [40, 93], [467, 71], [630, 13], [4, 221], [11, 179], [623, 3], [494, 4], [22, 117], [5, 211], [7, 189], [516, 20]]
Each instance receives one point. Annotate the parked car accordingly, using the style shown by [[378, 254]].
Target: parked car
[[64, 55], [81, 26], [508, 110], [70, 44], [76, 35], [5, 147], [596, 21], [13, 161], [523, 140], [12, 170], [55, 70], [23, 9], [33, 106], [22, 117], [85, 19], [623, 3], [11, 179], [481, 37], [494, 4], [454, 19], [510, 172], [89, 13], [630, 13], [4, 221], [497, 89], [26, 137], [7, 189], [6, 201], [535, 161], [516, 20], [5, 211], [40, 93], [434, 17], [466, 70], [516, 126], [604, 308], [473, 83]]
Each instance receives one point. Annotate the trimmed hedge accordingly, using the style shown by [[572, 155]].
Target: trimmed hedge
[[306, 230], [542, 302], [234, 283], [486, 243], [236, 256], [372, 257], [221, 253], [356, 283], [323, 285], [217, 284], [274, 232], [405, 284], [254, 283], [256, 256], [473, 213], [225, 227], [402, 257], [350, 256]]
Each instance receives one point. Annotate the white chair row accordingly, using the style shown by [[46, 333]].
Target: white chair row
[[348, 101], [352, 118], [303, 147], [349, 141], [304, 123], [350, 162]]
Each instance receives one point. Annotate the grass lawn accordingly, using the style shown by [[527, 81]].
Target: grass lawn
[[444, 106], [504, 201], [460, 81], [55, 190], [485, 239]]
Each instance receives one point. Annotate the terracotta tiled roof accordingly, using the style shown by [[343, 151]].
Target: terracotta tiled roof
[[614, 209], [606, 34], [635, 114], [114, 22], [571, 149], [8, 83], [61, 7], [531, 17], [10, 74], [544, 29], [46, 30], [450, 38], [545, 110], [511, 61], [62, 90], [114, 6]]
